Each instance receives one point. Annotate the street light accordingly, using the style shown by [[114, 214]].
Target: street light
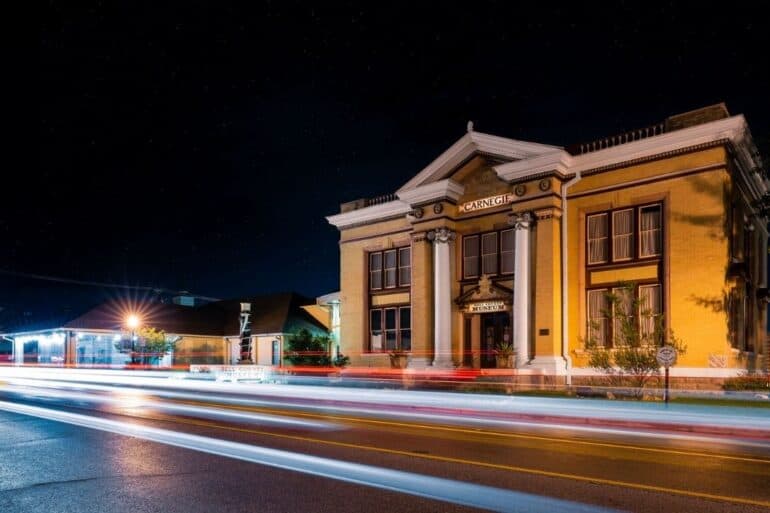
[[133, 322]]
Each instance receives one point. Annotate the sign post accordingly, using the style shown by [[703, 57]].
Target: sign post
[[666, 357]]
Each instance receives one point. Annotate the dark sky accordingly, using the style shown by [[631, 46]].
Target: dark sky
[[199, 146]]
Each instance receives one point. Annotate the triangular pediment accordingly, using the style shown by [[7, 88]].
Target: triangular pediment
[[497, 150], [485, 291]]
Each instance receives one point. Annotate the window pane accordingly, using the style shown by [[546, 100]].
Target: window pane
[[390, 319], [598, 322], [623, 316], [507, 244], [597, 239], [405, 325], [649, 231], [375, 328], [622, 234], [471, 256], [390, 268], [650, 309], [404, 266], [489, 253], [375, 270]]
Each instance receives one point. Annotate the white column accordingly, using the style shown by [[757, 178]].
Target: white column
[[442, 296], [521, 292]]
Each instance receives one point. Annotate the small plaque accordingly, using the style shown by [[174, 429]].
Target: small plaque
[[543, 331], [666, 356]]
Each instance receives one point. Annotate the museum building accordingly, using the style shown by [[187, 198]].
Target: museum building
[[500, 241]]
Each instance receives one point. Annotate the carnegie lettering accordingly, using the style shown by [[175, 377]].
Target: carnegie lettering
[[482, 203]]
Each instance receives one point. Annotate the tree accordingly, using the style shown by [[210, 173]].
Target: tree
[[153, 344], [631, 359], [305, 349]]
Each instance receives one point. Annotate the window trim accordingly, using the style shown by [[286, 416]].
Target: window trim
[[608, 257], [498, 253], [639, 231], [397, 330], [630, 235], [610, 288], [383, 286], [636, 235]]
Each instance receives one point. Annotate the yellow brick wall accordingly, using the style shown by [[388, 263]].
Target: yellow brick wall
[[695, 247]]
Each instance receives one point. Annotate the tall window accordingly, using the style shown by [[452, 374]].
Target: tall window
[[607, 319], [622, 235], [390, 269], [650, 309], [597, 239], [390, 328], [622, 313], [489, 253], [507, 245], [471, 256], [598, 320], [649, 231], [391, 264]]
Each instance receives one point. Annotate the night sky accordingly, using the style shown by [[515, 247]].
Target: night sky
[[199, 147]]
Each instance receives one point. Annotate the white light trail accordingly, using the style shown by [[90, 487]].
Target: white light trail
[[447, 490]]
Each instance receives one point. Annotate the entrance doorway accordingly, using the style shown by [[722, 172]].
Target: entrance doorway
[[495, 327]]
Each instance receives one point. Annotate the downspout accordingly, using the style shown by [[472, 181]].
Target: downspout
[[564, 282]]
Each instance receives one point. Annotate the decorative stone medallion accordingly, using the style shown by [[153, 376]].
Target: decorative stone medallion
[[544, 184], [438, 208], [520, 190]]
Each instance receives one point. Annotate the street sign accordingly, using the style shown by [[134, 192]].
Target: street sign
[[666, 356]]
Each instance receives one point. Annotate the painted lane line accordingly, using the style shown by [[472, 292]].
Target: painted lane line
[[446, 490]]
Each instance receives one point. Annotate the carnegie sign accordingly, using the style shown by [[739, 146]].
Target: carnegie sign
[[482, 203], [486, 306]]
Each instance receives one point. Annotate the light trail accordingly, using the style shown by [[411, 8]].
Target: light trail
[[446, 490], [465, 417]]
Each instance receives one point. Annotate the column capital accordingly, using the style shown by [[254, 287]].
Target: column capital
[[520, 220], [441, 235]]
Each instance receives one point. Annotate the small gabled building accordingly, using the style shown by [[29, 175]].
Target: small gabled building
[[207, 333], [503, 240]]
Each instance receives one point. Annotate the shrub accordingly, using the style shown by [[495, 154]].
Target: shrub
[[748, 382]]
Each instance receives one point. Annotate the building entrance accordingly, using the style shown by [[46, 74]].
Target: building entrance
[[495, 329]]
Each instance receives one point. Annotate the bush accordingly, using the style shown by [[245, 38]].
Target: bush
[[632, 359], [750, 382], [305, 349]]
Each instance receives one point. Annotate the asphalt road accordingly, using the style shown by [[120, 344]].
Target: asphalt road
[[56, 466]]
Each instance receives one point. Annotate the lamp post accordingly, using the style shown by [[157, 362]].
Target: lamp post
[[133, 322]]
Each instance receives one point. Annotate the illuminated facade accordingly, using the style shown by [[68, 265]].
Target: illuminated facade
[[499, 240]]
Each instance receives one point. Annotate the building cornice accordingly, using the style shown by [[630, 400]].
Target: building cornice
[[389, 210], [557, 162], [436, 191]]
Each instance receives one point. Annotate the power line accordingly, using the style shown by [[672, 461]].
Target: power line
[[156, 290]]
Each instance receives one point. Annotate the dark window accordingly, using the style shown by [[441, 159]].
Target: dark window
[[489, 253], [390, 328], [390, 269], [507, 245], [624, 235], [404, 267], [375, 271], [471, 256]]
